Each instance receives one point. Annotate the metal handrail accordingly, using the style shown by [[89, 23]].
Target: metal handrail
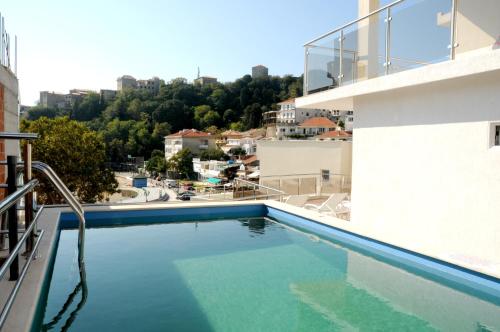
[[15, 197], [259, 185], [353, 22], [73, 203], [16, 194], [17, 248], [18, 136], [12, 296]]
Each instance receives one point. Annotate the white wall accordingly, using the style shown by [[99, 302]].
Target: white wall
[[424, 175], [11, 109], [285, 160]]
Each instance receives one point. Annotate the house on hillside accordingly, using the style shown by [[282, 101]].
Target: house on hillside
[[196, 141], [316, 126]]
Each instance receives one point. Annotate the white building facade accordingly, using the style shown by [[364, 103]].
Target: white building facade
[[194, 140], [289, 117], [426, 153]]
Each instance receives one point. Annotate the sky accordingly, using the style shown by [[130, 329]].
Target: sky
[[66, 44]]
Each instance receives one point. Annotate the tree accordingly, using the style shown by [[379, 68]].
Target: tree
[[76, 153], [37, 112], [237, 126], [88, 108], [252, 116], [182, 163], [157, 162], [214, 154], [238, 151]]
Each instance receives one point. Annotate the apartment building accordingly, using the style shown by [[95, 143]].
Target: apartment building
[[52, 99], [62, 100], [196, 141], [151, 85], [419, 75]]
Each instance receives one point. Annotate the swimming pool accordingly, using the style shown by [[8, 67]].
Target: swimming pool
[[251, 268]]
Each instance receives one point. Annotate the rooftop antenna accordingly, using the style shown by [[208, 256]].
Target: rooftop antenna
[[198, 72]]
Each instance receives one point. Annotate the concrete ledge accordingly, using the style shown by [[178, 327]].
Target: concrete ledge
[[467, 64]]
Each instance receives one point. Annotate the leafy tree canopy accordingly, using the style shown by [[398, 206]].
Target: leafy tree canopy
[[135, 122], [76, 153]]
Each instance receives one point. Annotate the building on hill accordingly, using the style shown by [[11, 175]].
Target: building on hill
[[205, 80], [316, 126], [52, 99], [151, 85], [126, 82], [289, 117], [247, 140], [260, 71], [107, 95], [196, 141]]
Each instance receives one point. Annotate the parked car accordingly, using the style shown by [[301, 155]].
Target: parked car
[[184, 197]]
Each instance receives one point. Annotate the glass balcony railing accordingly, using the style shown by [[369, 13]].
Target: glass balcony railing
[[403, 35]]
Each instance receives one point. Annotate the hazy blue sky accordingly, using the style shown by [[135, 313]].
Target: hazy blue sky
[[66, 44]]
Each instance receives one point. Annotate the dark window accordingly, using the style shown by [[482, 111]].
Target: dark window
[[497, 135]]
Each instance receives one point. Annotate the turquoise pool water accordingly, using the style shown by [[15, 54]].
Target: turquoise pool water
[[244, 275]]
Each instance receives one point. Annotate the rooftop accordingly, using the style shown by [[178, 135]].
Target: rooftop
[[334, 134], [318, 122], [190, 133]]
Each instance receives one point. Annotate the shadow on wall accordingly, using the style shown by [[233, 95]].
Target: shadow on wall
[[467, 99]]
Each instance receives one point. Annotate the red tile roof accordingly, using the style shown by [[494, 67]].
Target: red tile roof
[[335, 134], [249, 159], [318, 122], [189, 133]]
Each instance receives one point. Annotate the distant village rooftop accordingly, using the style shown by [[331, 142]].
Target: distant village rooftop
[[335, 134], [318, 122], [189, 133]]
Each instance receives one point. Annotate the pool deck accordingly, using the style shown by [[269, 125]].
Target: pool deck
[[24, 307]]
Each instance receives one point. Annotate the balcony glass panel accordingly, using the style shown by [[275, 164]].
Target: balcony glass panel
[[417, 34], [364, 49], [420, 34], [323, 64]]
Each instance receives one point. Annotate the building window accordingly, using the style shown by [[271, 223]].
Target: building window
[[325, 175], [496, 134]]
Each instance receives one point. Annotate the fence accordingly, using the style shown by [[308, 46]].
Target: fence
[[308, 184]]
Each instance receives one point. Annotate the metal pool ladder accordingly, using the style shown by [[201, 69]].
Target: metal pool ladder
[[72, 201]]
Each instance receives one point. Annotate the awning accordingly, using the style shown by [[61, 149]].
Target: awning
[[214, 180]]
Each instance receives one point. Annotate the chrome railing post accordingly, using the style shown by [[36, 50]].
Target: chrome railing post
[[28, 200], [453, 44], [387, 20], [12, 215], [305, 84], [341, 48]]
